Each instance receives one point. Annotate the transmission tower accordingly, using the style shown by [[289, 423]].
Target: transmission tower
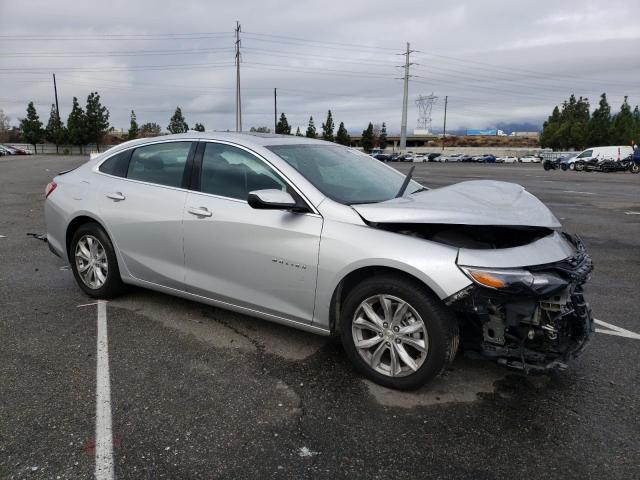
[[425, 105]]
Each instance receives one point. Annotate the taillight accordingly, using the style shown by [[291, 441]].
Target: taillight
[[49, 189]]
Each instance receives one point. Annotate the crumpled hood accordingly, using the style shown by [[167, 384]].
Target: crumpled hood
[[476, 202]]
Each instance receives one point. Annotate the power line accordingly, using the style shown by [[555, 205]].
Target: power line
[[129, 53], [320, 42]]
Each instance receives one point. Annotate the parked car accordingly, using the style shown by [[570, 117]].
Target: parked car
[[567, 163], [488, 158], [590, 156], [420, 158], [19, 151], [554, 164], [635, 165], [530, 159], [433, 156], [477, 158], [383, 157], [8, 150], [314, 235], [456, 157], [507, 159]]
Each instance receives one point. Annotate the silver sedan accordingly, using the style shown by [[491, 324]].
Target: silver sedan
[[326, 239]]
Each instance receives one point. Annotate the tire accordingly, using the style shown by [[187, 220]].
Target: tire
[[438, 332], [572, 166], [579, 167], [102, 264], [634, 168], [546, 167]]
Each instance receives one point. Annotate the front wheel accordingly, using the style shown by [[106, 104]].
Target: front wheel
[[397, 333], [634, 168]]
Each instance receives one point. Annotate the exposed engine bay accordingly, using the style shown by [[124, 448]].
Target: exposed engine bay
[[536, 322], [533, 319]]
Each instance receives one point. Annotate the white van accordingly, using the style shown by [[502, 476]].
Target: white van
[[612, 153]]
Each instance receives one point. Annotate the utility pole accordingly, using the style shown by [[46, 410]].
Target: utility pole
[[444, 133], [55, 91], [238, 99], [405, 99], [275, 109]]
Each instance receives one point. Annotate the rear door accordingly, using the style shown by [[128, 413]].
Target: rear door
[[263, 260], [142, 197]]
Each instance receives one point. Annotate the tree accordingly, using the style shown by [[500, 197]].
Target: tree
[[311, 129], [55, 131], [31, 127], [76, 125], [600, 124], [366, 142], [198, 127], [150, 130], [342, 137], [177, 123], [97, 119], [260, 129], [376, 135], [548, 137], [134, 130], [382, 139], [623, 125], [5, 122], [283, 127], [327, 128], [298, 132]]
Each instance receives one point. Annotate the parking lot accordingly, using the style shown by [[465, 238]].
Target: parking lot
[[199, 392]]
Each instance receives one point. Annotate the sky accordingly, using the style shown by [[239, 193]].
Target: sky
[[496, 61]]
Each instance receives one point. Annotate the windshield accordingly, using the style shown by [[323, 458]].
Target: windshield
[[342, 174]]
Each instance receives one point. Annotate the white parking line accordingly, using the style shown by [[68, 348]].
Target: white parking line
[[104, 435], [615, 330], [3, 236], [626, 213], [578, 191]]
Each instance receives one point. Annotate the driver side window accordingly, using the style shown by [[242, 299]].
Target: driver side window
[[232, 172]]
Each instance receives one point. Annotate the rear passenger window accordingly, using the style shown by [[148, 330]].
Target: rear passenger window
[[161, 163], [116, 165], [232, 172]]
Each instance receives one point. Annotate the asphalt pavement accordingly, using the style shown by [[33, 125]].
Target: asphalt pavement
[[200, 392]]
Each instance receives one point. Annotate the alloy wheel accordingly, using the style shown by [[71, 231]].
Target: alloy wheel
[[91, 262], [390, 335]]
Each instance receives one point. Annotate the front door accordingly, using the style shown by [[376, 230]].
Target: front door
[[264, 260]]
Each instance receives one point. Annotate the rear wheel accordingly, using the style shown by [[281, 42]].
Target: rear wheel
[[397, 333], [579, 166], [634, 168], [93, 261]]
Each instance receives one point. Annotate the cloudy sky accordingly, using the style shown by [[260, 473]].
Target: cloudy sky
[[497, 61]]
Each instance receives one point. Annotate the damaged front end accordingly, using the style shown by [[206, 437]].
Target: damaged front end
[[532, 319]]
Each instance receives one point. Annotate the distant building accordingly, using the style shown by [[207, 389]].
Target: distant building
[[525, 134], [487, 132]]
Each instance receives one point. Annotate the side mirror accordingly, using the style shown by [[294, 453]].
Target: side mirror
[[271, 199]]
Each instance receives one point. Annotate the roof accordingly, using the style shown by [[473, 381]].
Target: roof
[[248, 139]]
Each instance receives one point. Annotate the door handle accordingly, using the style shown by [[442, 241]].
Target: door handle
[[199, 211], [117, 196]]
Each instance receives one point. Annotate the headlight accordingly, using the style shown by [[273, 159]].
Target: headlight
[[515, 280]]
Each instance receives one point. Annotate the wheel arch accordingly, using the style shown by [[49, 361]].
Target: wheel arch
[[76, 223], [351, 279]]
